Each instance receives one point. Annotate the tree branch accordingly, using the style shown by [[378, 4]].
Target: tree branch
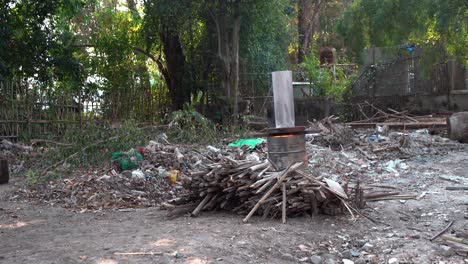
[[137, 49], [218, 32]]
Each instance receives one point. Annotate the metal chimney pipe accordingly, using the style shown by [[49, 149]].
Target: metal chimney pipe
[[283, 99]]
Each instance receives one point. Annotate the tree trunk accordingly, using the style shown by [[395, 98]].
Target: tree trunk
[[228, 51], [308, 25], [223, 47], [173, 72], [235, 66]]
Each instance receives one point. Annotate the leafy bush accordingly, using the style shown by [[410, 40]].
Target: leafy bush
[[324, 82], [95, 144], [188, 125]]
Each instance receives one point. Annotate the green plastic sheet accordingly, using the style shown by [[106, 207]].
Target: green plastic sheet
[[252, 142], [127, 161]]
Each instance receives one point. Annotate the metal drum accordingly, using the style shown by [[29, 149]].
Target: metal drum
[[4, 172], [287, 146]]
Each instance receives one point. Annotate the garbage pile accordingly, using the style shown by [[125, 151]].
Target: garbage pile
[[11, 152], [142, 177], [241, 179], [341, 153], [95, 192]]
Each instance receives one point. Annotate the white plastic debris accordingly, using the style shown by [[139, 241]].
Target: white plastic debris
[[336, 188], [104, 177], [138, 174], [211, 148], [253, 157]]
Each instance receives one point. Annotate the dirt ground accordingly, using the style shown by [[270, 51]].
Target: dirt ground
[[36, 233]]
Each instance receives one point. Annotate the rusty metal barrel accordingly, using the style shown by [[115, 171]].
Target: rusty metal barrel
[[287, 146], [4, 172]]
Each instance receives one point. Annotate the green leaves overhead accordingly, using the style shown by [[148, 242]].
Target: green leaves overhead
[[428, 23]]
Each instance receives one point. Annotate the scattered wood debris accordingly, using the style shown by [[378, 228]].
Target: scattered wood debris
[[396, 119]]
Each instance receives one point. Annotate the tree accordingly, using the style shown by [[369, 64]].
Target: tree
[[308, 25], [433, 24], [107, 50], [165, 21], [30, 44], [228, 22]]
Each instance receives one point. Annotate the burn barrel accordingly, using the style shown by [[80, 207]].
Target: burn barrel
[[287, 146], [4, 172]]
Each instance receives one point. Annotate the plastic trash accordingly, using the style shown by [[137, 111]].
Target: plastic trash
[[377, 137], [393, 165], [127, 160], [251, 142], [253, 157], [373, 137], [381, 129], [211, 148], [422, 131], [138, 174], [162, 172], [173, 176]]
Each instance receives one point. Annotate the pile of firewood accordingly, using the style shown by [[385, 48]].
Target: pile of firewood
[[256, 187]]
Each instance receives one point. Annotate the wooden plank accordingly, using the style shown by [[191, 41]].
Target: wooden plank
[[409, 125], [284, 203]]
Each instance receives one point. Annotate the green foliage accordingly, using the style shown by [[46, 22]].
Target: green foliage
[[96, 144], [428, 23], [320, 79], [264, 48], [327, 80], [190, 126], [32, 177]]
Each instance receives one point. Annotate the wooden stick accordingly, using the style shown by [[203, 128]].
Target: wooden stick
[[403, 115], [456, 188], [259, 166], [380, 195], [269, 192], [409, 125], [364, 153], [442, 232], [394, 197], [284, 203], [137, 253], [265, 186], [454, 239], [35, 141], [458, 247], [202, 204], [264, 170]]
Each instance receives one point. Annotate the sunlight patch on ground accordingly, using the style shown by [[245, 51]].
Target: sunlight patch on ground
[[195, 260], [14, 226], [19, 224], [163, 243], [107, 261]]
